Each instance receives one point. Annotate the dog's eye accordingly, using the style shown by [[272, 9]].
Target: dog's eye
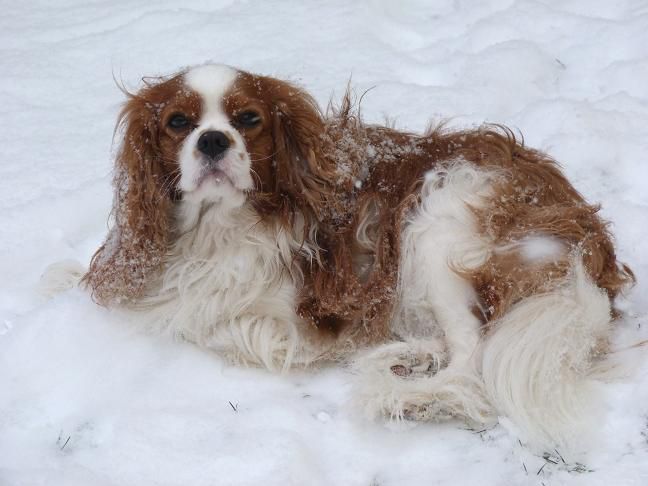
[[248, 119], [178, 121]]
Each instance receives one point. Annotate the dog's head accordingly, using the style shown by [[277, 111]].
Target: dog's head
[[209, 135]]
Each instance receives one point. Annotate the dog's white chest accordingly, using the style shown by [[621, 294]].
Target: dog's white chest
[[219, 272]]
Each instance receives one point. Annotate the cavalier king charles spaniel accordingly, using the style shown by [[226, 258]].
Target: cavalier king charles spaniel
[[458, 272]]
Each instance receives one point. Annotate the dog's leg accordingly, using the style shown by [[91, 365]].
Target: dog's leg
[[442, 235]]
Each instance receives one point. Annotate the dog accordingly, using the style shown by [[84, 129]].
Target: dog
[[458, 271]]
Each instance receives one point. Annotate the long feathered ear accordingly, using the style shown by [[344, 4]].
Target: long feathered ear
[[137, 240], [303, 174]]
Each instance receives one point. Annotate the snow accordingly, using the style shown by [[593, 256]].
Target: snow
[[86, 398]]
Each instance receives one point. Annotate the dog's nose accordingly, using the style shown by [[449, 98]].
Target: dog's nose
[[213, 143]]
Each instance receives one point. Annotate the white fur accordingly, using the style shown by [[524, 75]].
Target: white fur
[[212, 82], [536, 364], [227, 286], [439, 237], [436, 303], [61, 276], [536, 249]]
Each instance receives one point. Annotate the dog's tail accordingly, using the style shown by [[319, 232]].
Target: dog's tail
[[537, 363], [61, 276]]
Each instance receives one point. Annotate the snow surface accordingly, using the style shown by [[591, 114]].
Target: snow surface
[[87, 399]]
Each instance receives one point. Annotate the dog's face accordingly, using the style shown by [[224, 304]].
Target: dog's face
[[225, 136], [217, 128]]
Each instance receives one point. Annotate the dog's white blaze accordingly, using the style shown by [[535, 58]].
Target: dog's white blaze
[[212, 82]]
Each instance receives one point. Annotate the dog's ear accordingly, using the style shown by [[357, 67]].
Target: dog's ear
[[138, 238], [302, 174]]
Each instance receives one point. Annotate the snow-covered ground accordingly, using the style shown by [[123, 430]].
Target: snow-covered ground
[[87, 399]]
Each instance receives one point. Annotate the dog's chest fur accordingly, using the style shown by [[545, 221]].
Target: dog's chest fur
[[226, 266]]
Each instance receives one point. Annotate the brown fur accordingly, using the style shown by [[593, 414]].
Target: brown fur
[[144, 184], [340, 176], [535, 198]]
